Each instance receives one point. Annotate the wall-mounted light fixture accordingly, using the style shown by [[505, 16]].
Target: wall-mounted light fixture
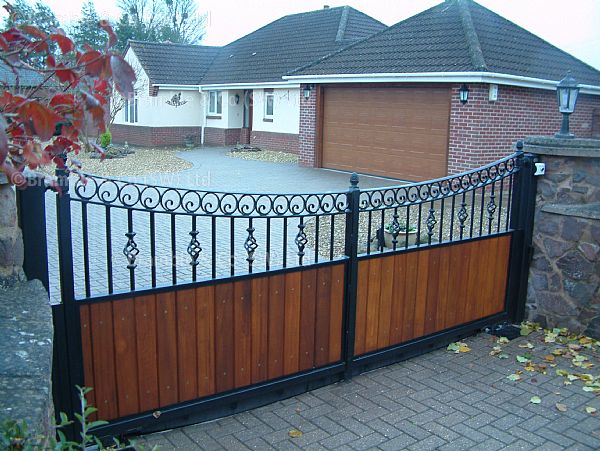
[[307, 89], [237, 99], [566, 93], [463, 94]]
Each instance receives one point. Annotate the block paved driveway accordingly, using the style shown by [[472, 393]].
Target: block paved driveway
[[213, 170], [437, 401]]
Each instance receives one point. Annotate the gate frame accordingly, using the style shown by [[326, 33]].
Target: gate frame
[[68, 358]]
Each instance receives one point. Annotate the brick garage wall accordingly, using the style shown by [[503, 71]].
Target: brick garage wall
[[482, 131], [308, 129], [153, 136], [245, 136], [284, 142], [222, 136]]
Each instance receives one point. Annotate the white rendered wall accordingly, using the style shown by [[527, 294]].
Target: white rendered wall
[[154, 111], [232, 114], [286, 111]]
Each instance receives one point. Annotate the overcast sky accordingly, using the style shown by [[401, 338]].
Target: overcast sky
[[571, 25]]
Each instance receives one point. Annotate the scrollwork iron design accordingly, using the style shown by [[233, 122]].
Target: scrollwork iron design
[[131, 250], [194, 249], [250, 244]]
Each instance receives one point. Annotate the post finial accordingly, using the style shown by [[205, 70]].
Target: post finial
[[354, 181], [520, 146]]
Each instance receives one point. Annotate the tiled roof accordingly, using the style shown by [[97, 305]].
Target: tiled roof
[[27, 78], [288, 43], [454, 36], [167, 63]]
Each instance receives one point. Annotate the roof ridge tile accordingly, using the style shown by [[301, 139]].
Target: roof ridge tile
[[477, 58]]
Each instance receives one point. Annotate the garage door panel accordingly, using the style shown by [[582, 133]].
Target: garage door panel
[[393, 132]]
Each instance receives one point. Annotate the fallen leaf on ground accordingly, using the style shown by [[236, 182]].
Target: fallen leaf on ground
[[549, 358], [591, 410], [561, 407], [295, 433], [514, 377], [522, 359], [502, 340], [458, 347], [526, 345], [535, 400]]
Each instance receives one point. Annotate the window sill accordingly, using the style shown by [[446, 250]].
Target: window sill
[[267, 119], [213, 117]]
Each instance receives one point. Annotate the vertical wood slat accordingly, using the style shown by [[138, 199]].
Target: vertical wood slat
[[307, 319], [103, 350], [126, 357], [187, 355], [155, 350], [147, 361], [276, 325], [432, 289], [242, 333], [205, 320], [322, 312], [86, 349], [224, 339], [166, 325], [291, 345]]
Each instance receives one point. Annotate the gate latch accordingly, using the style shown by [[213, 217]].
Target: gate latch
[[540, 169]]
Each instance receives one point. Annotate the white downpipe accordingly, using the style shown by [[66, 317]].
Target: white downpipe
[[203, 112]]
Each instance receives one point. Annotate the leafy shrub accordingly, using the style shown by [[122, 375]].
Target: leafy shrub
[[105, 139]]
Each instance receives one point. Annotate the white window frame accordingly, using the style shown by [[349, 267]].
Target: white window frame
[[131, 109], [269, 94], [215, 108]]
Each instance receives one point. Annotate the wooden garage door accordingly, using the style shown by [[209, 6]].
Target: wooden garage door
[[392, 132]]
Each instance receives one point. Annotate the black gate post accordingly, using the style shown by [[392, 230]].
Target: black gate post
[[68, 368], [351, 250], [31, 205], [521, 221]]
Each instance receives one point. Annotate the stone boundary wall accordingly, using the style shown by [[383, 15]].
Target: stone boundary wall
[[564, 277], [26, 362], [11, 239]]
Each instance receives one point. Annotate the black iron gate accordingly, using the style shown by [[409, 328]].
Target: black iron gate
[[179, 305]]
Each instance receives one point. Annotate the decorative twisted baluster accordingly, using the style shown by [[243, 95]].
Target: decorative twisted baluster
[[301, 240], [395, 228], [194, 248], [491, 209], [462, 216], [250, 245], [431, 222], [131, 250]]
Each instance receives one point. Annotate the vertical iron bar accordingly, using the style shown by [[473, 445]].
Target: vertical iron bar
[[109, 271], [463, 208], [213, 245], [131, 267], [331, 236], [370, 224], [407, 226], [173, 250], [351, 251], [86, 249], [383, 227], [153, 248], [232, 245], [268, 260], [419, 225], [194, 267], [452, 210], [317, 239], [490, 213], [285, 232], [509, 201], [481, 209], [440, 239], [499, 220], [472, 213]]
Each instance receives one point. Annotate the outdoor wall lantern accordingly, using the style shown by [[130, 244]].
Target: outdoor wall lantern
[[566, 93], [237, 99], [463, 94], [307, 90]]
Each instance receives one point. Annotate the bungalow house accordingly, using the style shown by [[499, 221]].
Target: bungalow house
[[389, 105], [347, 93], [225, 95]]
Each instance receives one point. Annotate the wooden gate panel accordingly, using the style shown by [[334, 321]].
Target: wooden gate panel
[[410, 295], [146, 352]]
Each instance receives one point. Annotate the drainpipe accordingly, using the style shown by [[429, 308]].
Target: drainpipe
[[203, 97]]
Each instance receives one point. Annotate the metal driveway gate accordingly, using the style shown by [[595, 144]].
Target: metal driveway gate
[[183, 305]]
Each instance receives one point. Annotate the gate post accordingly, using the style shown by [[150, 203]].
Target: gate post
[[351, 251], [31, 207], [521, 221], [68, 363]]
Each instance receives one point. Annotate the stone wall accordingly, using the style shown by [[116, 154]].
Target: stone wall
[[564, 277], [26, 359], [11, 240]]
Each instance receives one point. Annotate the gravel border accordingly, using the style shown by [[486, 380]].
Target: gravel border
[[265, 155]]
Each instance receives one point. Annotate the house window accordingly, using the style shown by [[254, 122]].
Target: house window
[[269, 104], [215, 103], [131, 109]]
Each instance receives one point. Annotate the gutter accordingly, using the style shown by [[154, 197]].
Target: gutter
[[439, 77], [261, 85], [177, 87]]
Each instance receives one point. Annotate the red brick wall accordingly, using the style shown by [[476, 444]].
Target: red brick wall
[[153, 136], [245, 136], [284, 142], [596, 124], [221, 136], [308, 128], [482, 131]]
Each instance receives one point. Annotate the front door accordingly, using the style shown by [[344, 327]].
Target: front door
[[247, 124]]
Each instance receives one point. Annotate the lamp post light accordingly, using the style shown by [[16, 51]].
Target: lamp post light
[[566, 93]]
